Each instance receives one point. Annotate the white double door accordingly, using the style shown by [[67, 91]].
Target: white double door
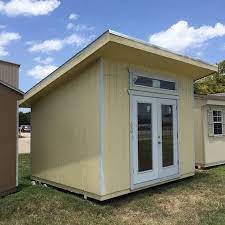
[[154, 138]]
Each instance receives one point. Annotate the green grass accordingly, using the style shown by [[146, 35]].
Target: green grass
[[197, 200]]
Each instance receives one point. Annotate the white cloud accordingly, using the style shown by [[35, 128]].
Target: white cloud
[[73, 16], [47, 46], [79, 27], [5, 39], [76, 40], [70, 26], [57, 44], [28, 7], [181, 36], [45, 61], [41, 71]]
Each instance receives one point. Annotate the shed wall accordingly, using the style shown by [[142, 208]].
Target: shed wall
[[117, 123], [9, 73], [8, 139], [65, 133], [214, 146], [198, 131]]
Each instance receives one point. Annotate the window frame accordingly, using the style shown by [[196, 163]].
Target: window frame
[[217, 122], [134, 86]]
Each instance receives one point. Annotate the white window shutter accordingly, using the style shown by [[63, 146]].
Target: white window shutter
[[210, 122], [223, 121]]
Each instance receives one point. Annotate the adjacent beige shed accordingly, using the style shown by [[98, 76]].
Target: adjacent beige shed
[[115, 118], [209, 130]]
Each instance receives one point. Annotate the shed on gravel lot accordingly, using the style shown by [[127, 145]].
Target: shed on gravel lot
[[115, 118], [9, 96]]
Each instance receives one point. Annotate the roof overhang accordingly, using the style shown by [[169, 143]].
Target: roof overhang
[[12, 88], [211, 99], [122, 48]]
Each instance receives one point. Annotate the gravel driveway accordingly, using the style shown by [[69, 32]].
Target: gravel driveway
[[24, 143]]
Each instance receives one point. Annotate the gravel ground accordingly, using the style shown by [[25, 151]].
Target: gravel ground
[[24, 143]]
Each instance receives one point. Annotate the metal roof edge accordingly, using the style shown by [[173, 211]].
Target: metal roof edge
[[8, 62]]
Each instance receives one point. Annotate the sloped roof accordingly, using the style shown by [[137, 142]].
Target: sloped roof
[[217, 96], [111, 42]]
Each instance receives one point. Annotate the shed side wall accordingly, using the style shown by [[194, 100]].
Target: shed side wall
[[65, 133], [8, 138], [198, 131], [117, 124]]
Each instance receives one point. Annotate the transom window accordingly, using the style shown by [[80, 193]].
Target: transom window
[[217, 122], [154, 83]]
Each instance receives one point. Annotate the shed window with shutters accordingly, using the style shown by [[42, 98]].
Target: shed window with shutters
[[216, 122]]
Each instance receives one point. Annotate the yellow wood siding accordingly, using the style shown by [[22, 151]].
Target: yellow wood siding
[[116, 154], [65, 133], [117, 123], [9, 73], [198, 131]]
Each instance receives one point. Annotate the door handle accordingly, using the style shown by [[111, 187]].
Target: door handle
[[159, 142]]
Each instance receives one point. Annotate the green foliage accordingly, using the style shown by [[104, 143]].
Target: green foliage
[[212, 84], [24, 118]]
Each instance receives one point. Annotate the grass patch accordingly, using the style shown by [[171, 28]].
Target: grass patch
[[197, 200]]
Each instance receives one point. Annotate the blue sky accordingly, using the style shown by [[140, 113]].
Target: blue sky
[[42, 34]]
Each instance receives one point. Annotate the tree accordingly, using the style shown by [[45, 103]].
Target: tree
[[212, 84], [24, 118]]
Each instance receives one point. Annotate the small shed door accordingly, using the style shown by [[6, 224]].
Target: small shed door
[[154, 139]]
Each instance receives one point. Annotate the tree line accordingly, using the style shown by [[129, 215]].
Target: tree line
[[24, 118], [212, 84]]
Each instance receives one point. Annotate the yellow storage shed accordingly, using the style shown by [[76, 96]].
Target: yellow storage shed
[[115, 118], [209, 130]]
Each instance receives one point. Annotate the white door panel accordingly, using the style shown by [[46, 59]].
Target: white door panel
[[167, 137], [154, 138], [145, 156]]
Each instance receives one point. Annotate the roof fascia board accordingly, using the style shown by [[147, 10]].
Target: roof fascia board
[[210, 98]]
